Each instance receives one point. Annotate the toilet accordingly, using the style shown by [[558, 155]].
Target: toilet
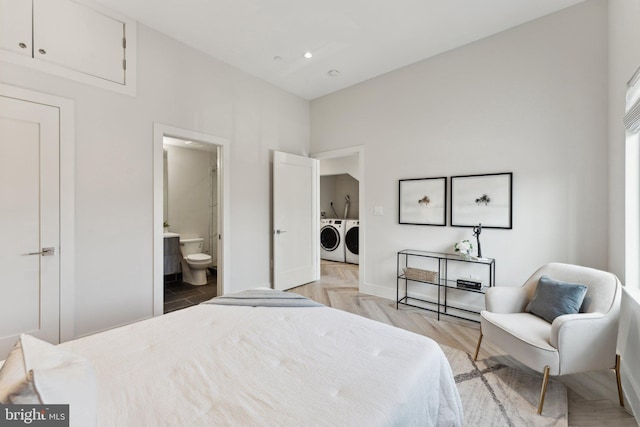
[[194, 262]]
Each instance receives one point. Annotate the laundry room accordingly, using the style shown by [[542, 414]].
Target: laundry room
[[339, 210]]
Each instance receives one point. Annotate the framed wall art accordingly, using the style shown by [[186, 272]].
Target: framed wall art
[[482, 199], [423, 201]]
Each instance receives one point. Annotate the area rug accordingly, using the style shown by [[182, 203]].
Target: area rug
[[495, 393]]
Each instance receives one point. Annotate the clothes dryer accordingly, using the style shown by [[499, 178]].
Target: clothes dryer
[[332, 240], [352, 241]]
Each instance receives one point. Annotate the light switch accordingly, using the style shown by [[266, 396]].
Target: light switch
[[378, 210]]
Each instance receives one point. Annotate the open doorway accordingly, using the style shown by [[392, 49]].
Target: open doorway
[[341, 204], [190, 198], [190, 222]]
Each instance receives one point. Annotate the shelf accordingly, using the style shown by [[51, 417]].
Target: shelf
[[443, 284], [451, 284], [405, 301], [447, 256]]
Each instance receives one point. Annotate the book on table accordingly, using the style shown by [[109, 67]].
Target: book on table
[[469, 284]]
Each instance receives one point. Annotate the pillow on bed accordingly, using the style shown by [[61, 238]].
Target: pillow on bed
[[554, 298], [37, 372]]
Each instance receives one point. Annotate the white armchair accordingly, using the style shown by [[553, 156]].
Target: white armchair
[[573, 342]]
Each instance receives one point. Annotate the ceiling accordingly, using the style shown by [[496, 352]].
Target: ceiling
[[360, 39]]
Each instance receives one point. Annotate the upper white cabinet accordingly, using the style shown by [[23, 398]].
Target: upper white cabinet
[[71, 34], [15, 26], [71, 38]]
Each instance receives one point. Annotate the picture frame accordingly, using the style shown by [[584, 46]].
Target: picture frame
[[422, 201], [482, 199]]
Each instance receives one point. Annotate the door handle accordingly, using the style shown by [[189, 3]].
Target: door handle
[[44, 252], [278, 231]]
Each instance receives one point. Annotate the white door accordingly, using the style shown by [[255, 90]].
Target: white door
[[29, 213], [296, 228]]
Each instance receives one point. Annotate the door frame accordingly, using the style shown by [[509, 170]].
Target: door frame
[[66, 108], [344, 152], [159, 132]]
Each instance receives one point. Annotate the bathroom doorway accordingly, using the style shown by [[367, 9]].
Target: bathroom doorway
[[190, 222], [189, 193]]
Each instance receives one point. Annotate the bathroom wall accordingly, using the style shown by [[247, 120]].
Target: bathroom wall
[[334, 188], [189, 192], [213, 208]]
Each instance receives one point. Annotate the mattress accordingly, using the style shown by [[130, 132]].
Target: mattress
[[268, 366]]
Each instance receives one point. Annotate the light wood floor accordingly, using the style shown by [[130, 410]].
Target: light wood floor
[[593, 397]]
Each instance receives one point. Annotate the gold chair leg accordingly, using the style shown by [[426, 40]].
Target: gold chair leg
[[475, 356], [545, 381], [617, 368]]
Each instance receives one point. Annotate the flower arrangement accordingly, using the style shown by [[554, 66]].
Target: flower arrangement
[[464, 247]]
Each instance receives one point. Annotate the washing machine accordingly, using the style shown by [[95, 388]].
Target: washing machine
[[351, 240], [332, 239]]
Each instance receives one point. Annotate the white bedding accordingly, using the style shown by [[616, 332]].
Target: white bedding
[[266, 366]]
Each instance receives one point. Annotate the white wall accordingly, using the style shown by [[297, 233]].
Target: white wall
[[531, 100], [624, 59], [177, 86], [189, 192]]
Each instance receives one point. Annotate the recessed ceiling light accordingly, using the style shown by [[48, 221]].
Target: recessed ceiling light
[[333, 73], [277, 58], [308, 55], [188, 142]]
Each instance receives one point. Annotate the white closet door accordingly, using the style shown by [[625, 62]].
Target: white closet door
[[30, 216], [15, 26], [74, 36]]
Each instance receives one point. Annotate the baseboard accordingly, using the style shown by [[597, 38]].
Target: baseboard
[[629, 347], [630, 387]]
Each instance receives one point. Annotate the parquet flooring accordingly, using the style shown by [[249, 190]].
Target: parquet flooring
[[593, 398]]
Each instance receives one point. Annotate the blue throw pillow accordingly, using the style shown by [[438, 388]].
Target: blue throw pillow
[[554, 298]]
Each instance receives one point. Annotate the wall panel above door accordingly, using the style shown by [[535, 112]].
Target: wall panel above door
[[70, 38], [75, 36]]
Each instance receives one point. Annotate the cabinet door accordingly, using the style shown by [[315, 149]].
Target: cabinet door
[[15, 26], [74, 36]]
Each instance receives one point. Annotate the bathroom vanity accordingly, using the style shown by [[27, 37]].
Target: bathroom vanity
[[171, 253]]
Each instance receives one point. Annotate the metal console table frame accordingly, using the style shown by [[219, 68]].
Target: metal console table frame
[[443, 281]]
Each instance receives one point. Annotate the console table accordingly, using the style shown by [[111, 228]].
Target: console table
[[417, 268]]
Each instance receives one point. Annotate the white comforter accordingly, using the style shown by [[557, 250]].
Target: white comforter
[[265, 366]]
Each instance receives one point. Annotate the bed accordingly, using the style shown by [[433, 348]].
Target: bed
[[274, 366]]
